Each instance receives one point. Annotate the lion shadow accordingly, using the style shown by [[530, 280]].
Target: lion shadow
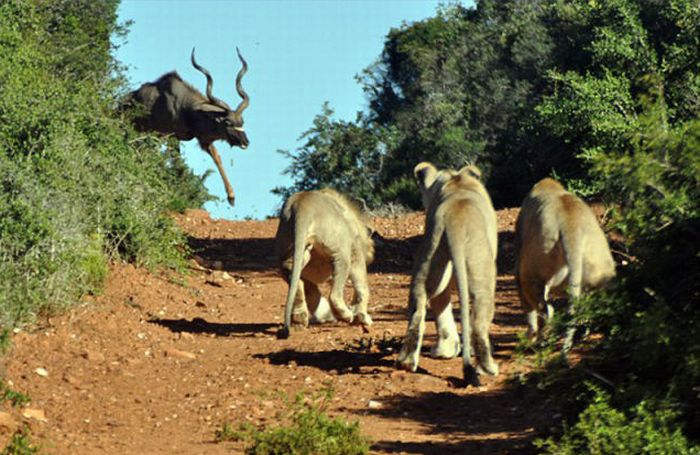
[[234, 255], [476, 421], [201, 326], [338, 361]]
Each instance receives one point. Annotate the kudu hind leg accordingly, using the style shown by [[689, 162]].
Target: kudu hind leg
[[211, 150]]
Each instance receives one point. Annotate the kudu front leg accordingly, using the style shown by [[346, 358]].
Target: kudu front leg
[[211, 150]]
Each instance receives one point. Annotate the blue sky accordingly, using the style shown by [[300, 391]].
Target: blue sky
[[299, 53]]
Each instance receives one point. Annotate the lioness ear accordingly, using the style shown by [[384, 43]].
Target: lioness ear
[[472, 170], [425, 173]]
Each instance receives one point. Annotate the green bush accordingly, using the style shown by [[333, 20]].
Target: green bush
[[21, 444], [15, 398], [78, 187], [309, 431], [601, 429], [649, 319]]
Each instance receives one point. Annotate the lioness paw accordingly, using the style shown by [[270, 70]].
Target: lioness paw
[[408, 364], [446, 349], [408, 359], [489, 367], [344, 314], [322, 313], [363, 319], [300, 319]]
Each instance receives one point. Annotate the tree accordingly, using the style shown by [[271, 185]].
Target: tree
[[346, 156]]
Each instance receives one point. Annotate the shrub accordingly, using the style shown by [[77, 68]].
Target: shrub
[[16, 398], [77, 186], [309, 431], [602, 429], [650, 320], [20, 444]]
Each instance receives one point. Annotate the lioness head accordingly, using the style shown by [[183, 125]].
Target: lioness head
[[431, 181]]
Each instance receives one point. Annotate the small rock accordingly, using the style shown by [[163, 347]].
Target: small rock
[[7, 421], [36, 414], [185, 336], [72, 380], [93, 356], [399, 374], [172, 352], [427, 381], [213, 282], [42, 372], [373, 404]]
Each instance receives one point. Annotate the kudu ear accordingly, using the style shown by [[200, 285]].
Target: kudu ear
[[425, 173], [471, 170], [209, 107]]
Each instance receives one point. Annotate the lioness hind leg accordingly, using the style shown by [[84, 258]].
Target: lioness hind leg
[[300, 314], [318, 306], [448, 345], [341, 272], [574, 291], [358, 276], [483, 310], [410, 349], [529, 300]]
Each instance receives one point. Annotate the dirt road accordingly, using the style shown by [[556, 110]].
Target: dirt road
[[160, 361]]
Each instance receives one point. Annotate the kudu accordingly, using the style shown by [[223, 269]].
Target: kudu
[[172, 106]]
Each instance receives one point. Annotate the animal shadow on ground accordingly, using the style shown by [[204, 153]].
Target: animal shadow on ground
[[199, 325], [234, 254], [488, 422], [394, 255], [336, 360]]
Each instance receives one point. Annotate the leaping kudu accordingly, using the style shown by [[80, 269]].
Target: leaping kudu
[[172, 106]]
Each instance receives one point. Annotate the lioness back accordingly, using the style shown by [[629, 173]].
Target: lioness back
[[561, 248], [550, 211], [322, 235]]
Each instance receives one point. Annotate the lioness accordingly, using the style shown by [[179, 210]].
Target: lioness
[[322, 235], [560, 248], [460, 233]]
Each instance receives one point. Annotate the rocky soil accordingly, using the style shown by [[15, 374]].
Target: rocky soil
[[160, 361]]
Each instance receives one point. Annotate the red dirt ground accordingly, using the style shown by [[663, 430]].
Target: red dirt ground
[[159, 362]]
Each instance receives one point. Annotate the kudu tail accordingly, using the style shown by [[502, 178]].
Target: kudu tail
[[301, 228], [455, 240]]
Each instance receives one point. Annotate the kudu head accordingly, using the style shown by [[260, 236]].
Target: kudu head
[[224, 123]]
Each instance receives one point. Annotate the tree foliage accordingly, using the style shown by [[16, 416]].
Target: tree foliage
[[524, 89], [337, 154], [603, 94], [77, 186]]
